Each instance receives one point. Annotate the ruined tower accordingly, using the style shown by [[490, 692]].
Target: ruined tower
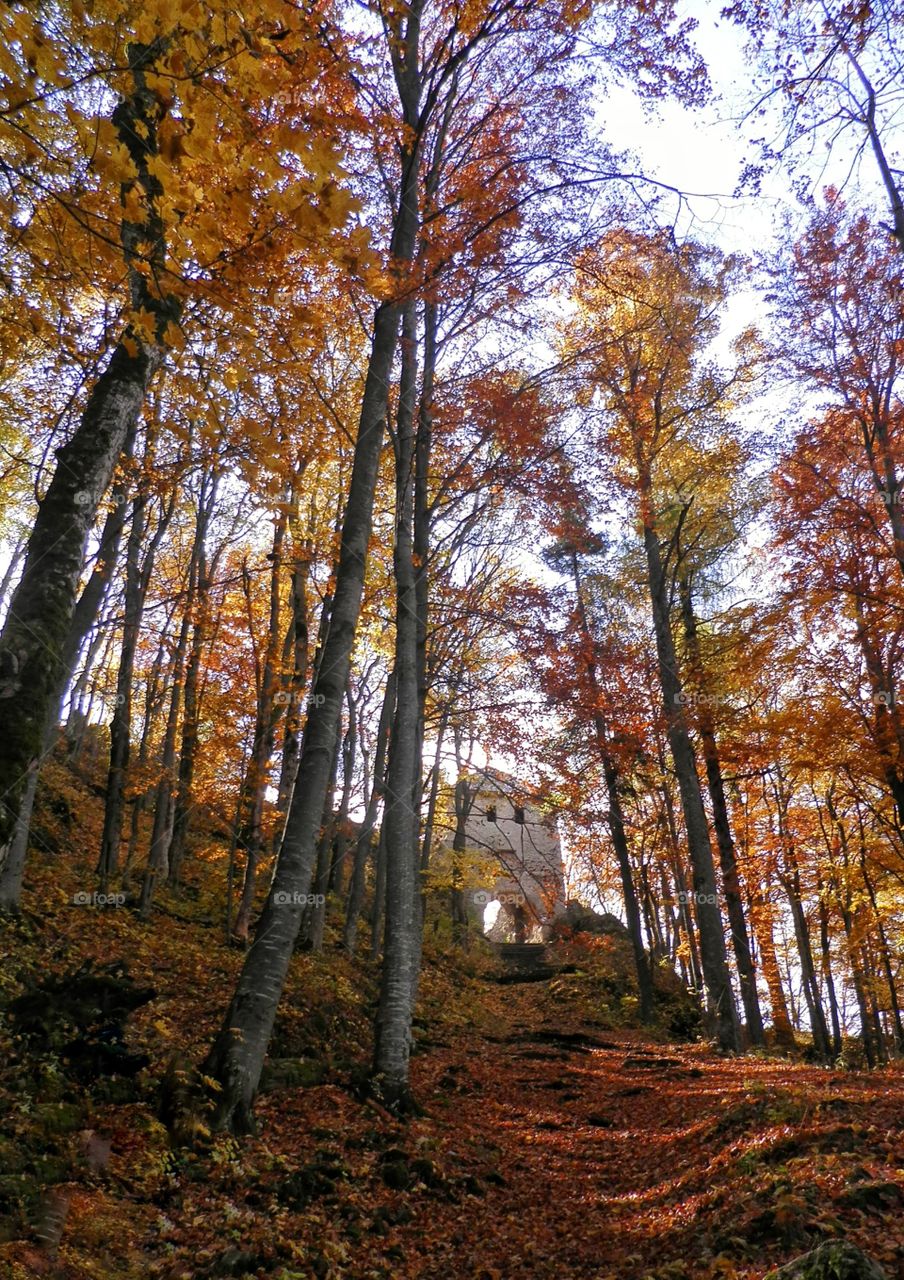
[[524, 840]]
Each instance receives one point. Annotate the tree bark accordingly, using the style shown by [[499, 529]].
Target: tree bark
[[401, 818], [254, 785], [365, 835], [32, 665], [86, 610], [616, 814], [121, 726], [237, 1056], [728, 861], [713, 958], [192, 694], [818, 1025]]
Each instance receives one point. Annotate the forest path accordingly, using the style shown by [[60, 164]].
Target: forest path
[[550, 1147], [601, 1154]]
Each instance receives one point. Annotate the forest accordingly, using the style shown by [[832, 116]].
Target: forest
[[398, 465]]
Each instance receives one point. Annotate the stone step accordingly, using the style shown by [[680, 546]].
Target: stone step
[[523, 955]]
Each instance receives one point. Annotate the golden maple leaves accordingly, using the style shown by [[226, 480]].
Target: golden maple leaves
[[226, 170]]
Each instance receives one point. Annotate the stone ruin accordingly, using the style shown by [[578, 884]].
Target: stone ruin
[[524, 840]]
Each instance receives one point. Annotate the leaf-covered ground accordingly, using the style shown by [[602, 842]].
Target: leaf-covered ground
[[556, 1143]]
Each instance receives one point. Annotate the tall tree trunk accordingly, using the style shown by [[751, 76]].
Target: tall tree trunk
[[818, 1026], [685, 915], [825, 951], [192, 696], [365, 835], [83, 618], [713, 958], [464, 799], [728, 861], [157, 867], [616, 813], [237, 1056], [294, 688], [379, 902], [762, 917], [401, 819], [32, 664], [121, 726], [433, 796], [161, 832], [269, 708], [349, 761], [314, 918]]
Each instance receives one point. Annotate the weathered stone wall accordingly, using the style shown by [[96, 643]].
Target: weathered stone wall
[[525, 841]]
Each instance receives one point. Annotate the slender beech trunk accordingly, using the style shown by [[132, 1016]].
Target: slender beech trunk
[[884, 951], [792, 886], [433, 796], [32, 665], [314, 918], [237, 1055], [154, 698], [685, 915], [379, 902], [269, 709], [86, 610], [401, 819], [728, 861], [464, 799], [713, 958], [616, 814], [421, 529], [336, 883], [763, 923], [192, 695], [161, 832], [872, 1048], [121, 726], [157, 867], [294, 688], [825, 953], [365, 835]]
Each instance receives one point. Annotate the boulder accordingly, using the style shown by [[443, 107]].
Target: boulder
[[834, 1260], [583, 919]]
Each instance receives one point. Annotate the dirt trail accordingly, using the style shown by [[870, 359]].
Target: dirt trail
[[549, 1149], [604, 1155]]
